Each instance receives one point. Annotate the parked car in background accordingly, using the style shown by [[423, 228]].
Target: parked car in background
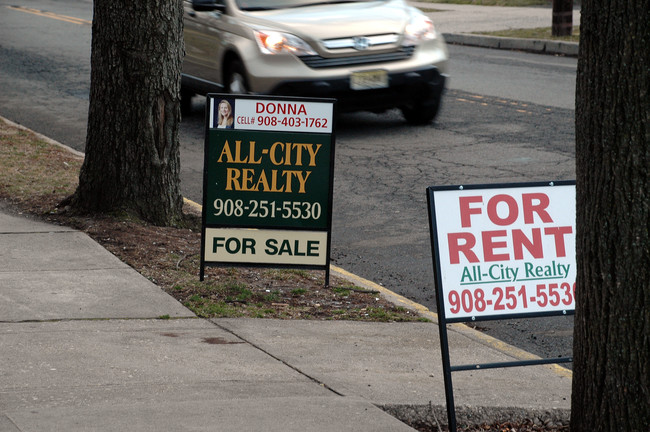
[[368, 54]]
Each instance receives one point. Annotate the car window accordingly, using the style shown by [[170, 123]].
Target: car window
[[253, 5]]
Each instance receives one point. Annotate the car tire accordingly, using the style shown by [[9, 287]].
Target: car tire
[[421, 113], [236, 81]]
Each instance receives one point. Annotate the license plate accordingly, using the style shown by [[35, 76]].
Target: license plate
[[369, 80]]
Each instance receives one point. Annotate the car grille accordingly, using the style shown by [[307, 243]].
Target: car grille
[[317, 62], [365, 41]]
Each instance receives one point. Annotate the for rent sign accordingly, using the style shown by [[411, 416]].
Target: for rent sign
[[504, 250], [268, 181]]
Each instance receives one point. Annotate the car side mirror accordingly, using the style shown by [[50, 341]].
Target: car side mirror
[[208, 6]]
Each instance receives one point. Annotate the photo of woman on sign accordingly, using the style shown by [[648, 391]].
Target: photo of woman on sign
[[225, 117]]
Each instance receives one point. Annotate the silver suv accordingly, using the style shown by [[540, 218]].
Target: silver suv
[[368, 54]]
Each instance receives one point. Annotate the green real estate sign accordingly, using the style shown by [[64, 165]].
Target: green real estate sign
[[268, 179]]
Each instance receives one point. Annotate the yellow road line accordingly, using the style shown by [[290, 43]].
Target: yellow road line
[[196, 206], [478, 97], [52, 15]]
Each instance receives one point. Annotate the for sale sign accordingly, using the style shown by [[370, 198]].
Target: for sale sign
[[503, 250], [268, 177]]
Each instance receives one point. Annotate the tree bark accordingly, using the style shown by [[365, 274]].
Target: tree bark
[[132, 148], [562, 24], [611, 381]]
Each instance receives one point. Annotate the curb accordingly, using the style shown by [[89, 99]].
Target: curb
[[539, 46], [44, 138]]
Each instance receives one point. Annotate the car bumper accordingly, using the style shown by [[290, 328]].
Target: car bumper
[[404, 89]]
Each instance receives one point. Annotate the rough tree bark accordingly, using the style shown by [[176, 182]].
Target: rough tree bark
[[132, 149], [562, 23], [611, 381]]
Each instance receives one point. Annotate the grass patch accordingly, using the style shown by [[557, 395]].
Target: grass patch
[[513, 3], [388, 315], [272, 297], [34, 169], [535, 33], [342, 291], [205, 308], [287, 274]]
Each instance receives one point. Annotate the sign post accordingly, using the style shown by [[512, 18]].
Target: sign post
[[501, 252], [268, 181]]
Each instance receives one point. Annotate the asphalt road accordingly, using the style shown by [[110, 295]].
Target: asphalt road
[[507, 117]]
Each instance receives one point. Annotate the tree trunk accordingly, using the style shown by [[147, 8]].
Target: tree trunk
[[611, 381], [132, 148], [562, 24]]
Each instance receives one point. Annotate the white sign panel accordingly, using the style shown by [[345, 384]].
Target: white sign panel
[[281, 115], [254, 246], [506, 250]]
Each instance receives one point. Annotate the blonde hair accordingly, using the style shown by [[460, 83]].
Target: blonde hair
[[229, 118]]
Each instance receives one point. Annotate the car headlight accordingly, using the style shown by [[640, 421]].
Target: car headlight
[[419, 28], [273, 42]]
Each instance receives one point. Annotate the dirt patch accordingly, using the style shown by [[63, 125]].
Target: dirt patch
[[474, 419], [35, 176], [170, 258]]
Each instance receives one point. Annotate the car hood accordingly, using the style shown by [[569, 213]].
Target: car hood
[[337, 20]]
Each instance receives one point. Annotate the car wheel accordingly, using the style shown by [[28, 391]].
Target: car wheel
[[421, 113], [236, 78]]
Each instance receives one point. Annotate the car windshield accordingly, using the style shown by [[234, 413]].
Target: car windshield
[[257, 5]]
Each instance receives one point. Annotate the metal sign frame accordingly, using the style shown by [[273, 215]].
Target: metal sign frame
[[472, 210], [268, 182]]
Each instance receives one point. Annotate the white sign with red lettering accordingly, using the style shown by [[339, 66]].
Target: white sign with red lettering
[[283, 115], [505, 250]]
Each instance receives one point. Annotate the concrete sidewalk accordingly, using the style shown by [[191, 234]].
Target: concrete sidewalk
[[83, 348], [457, 23]]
